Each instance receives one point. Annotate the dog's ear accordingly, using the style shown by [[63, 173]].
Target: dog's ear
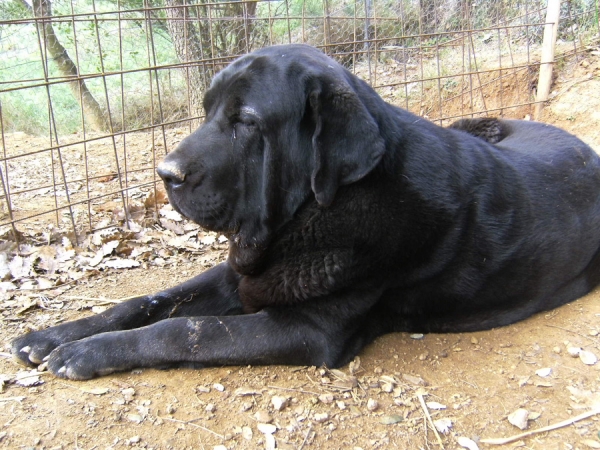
[[346, 142]]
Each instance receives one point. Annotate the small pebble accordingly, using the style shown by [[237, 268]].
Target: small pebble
[[266, 428], [556, 350], [372, 404], [270, 442], [326, 398], [247, 433], [519, 418], [573, 351], [219, 387], [545, 372], [341, 405], [278, 402], [467, 443], [591, 443], [211, 408], [128, 394], [588, 358], [417, 336], [321, 417], [135, 418], [263, 416], [387, 387], [245, 406], [443, 425]]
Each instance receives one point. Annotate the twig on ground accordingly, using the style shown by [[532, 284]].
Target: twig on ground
[[293, 390], [306, 437], [98, 299], [33, 290], [190, 422], [426, 411], [574, 332], [12, 399], [564, 423]]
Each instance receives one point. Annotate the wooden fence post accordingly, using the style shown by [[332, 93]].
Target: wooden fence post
[[547, 62]]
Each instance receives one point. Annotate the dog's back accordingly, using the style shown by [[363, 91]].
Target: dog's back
[[525, 234]]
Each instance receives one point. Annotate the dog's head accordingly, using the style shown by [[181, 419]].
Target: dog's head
[[282, 123]]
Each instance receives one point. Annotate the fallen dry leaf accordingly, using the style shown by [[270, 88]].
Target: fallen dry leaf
[[121, 263], [391, 419], [28, 378]]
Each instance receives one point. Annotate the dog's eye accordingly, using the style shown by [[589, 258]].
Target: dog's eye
[[241, 126], [247, 122]]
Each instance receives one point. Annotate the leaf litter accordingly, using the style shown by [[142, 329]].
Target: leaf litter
[[47, 262]]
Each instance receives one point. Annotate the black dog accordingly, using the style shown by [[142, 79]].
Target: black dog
[[348, 218]]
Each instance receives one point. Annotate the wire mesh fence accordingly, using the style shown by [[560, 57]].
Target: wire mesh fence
[[94, 93]]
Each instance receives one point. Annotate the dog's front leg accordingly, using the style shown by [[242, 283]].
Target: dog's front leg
[[321, 333], [213, 292]]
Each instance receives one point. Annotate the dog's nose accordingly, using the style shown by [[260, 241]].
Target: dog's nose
[[170, 173]]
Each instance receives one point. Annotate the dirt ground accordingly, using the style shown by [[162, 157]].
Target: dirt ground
[[469, 383]]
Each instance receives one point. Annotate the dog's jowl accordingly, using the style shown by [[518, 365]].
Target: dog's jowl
[[347, 218]]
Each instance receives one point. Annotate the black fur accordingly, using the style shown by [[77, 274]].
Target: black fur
[[489, 129], [348, 218]]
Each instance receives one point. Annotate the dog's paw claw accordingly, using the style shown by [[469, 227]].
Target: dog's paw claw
[[26, 349]]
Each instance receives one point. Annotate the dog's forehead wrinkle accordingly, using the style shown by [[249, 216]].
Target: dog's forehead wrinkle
[[249, 110]]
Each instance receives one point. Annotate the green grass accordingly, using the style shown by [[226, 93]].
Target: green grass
[[26, 109]]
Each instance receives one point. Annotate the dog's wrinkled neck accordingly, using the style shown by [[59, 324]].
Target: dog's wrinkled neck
[[246, 258], [248, 247]]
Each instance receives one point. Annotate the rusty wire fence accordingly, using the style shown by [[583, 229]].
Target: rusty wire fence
[[94, 93]]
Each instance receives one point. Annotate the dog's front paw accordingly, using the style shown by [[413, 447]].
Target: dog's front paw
[[31, 348], [89, 358]]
